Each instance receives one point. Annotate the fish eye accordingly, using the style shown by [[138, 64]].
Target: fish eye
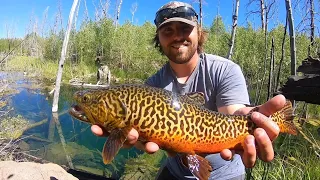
[[86, 98]]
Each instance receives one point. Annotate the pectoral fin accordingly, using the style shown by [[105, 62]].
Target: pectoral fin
[[199, 166], [113, 144]]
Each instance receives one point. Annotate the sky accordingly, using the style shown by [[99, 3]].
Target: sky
[[16, 15]]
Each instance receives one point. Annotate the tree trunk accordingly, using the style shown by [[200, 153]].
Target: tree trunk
[[234, 28], [311, 24], [133, 10], [118, 13], [262, 14], [292, 37], [271, 70], [292, 40], [200, 11], [62, 58], [86, 13], [265, 59], [282, 54]]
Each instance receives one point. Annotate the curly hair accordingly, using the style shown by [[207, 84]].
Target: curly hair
[[202, 37]]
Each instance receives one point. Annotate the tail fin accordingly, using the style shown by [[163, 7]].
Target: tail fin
[[284, 119]]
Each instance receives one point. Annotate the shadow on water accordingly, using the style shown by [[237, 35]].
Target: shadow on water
[[84, 148]]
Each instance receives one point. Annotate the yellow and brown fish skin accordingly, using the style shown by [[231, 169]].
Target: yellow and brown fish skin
[[178, 123]]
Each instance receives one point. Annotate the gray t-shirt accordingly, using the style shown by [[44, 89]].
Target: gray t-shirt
[[222, 83]]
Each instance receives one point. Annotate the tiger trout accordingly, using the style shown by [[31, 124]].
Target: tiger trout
[[177, 123]]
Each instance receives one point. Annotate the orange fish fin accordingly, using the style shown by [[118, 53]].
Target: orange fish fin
[[284, 119], [199, 166], [113, 144]]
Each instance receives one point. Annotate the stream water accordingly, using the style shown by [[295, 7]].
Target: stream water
[[33, 103]]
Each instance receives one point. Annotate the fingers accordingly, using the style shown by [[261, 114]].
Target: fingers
[[249, 152], [227, 154], [269, 126], [265, 148], [273, 105], [132, 138], [149, 147], [98, 131]]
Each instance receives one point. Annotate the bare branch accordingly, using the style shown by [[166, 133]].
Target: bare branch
[[86, 13], [44, 21], [234, 27], [133, 10], [118, 12], [105, 8]]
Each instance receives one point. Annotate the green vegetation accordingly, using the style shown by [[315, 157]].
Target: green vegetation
[[145, 166], [12, 128], [129, 53], [295, 159]]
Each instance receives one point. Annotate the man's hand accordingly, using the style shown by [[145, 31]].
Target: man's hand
[[260, 143], [132, 138]]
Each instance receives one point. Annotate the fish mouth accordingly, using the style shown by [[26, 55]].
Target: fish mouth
[[77, 112]]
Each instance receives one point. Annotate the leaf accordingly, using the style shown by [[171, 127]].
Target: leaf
[[314, 122]]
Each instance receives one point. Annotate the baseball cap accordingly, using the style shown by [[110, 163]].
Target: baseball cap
[[176, 11]]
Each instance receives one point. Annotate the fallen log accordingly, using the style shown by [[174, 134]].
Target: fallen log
[[93, 86]]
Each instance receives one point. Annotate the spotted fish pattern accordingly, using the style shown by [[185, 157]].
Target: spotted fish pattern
[[178, 123]]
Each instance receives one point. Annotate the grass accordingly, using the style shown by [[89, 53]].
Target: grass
[[47, 70], [296, 158]]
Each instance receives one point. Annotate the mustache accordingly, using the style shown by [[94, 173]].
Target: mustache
[[184, 42]]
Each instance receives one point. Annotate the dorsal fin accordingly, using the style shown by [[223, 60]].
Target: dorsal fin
[[195, 98]]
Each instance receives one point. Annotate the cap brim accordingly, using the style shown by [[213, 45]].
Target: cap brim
[[179, 19]]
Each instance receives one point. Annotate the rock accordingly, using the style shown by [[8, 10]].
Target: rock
[[29, 170]]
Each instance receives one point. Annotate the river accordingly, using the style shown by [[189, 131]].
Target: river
[[31, 101]]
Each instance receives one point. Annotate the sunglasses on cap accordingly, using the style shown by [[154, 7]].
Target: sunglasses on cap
[[182, 12]]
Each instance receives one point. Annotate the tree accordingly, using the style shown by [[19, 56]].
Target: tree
[[218, 26], [200, 12], [63, 56], [201, 2], [133, 10], [234, 27], [292, 37], [118, 12]]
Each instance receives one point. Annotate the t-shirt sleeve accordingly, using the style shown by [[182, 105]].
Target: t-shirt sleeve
[[232, 88], [153, 80]]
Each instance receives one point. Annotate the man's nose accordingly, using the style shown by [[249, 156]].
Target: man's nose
[[179, 35]]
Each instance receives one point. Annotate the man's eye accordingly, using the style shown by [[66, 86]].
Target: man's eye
[[187, 29], [167, 30]]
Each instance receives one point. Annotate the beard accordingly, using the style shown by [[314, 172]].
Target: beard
[[183, 54]]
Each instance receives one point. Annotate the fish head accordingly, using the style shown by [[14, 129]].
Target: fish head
[[99, 107]]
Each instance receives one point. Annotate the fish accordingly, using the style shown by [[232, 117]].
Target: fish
[[177, 123]]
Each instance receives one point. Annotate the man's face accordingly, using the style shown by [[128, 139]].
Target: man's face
[[179, 41]]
